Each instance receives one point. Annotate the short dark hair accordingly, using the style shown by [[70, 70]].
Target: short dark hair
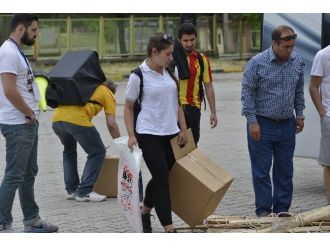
[[111, 85], [186, 28], [277, 32], [25, 19]]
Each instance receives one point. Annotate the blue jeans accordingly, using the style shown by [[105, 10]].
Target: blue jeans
[[277, 144], [90, 140], [20, 173]]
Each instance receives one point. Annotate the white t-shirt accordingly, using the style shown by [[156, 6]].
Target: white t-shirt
[[321, 67], [159, 106], [11, 61]]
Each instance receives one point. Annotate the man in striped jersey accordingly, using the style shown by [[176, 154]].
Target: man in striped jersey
[[197, 76]]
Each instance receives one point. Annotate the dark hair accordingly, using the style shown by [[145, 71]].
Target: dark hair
[[186, 28], [277, 32], [188, 17], [25, 19], [160, 41], [111, 85], [170, 69]]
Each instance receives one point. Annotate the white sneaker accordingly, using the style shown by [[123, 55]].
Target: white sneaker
[[91, 197], [70, 196]]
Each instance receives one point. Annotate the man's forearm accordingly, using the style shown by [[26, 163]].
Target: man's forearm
[[210, 97], [17, 101], [314, 91], [114, 130]]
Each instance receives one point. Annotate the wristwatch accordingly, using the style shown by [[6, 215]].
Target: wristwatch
[[29, 117], [302, 117]]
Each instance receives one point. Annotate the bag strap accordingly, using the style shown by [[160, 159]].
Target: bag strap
[[138, 72], [94, 102], [170, 70], [201, 86]]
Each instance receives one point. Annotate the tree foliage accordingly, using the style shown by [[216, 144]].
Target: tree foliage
[[253, 19]]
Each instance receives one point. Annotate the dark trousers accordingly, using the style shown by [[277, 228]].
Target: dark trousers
[[158, 155], [193, 118], [276, 147]]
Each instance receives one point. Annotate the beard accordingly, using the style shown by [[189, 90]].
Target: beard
[[26, 41], [188, 49]]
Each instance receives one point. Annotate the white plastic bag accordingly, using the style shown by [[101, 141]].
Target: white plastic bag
[[128, 183]]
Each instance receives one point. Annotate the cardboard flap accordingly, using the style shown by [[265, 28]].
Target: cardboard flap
[[112, 156], [211, 168], [180, 152]]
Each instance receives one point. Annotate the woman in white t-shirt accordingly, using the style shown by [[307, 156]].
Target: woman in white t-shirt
[[156, 125]]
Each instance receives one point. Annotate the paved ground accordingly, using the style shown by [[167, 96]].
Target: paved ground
[[226, 145]]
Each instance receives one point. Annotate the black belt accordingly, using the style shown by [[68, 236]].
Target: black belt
[[277, 120], [188, 106]]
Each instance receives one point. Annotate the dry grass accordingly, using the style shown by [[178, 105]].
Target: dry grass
[[119, 71]]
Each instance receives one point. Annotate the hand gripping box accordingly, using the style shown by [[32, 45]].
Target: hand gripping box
[[197, 184], [106, 183]]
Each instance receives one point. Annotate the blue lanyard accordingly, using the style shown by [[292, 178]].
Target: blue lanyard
[[30, 74], [23, 55]]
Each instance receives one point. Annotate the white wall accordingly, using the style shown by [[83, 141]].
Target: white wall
[[308, 29]]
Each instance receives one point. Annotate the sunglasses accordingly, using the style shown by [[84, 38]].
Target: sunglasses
[[287, 38], [167, 37]]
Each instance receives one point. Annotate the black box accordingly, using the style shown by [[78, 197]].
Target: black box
[[78, 73]]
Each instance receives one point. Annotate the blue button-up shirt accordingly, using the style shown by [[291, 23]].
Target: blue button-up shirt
[[272, 89]]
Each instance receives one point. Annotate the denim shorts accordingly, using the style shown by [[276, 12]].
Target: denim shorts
[[324, 157]]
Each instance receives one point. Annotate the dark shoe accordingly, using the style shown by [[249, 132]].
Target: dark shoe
[[6, 228], [264, 214], [43, 227], [172, 231], [284, 214], [146, 223]]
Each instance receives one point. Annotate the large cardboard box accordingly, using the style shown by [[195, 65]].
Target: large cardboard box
[[197, 184], [106, 183]]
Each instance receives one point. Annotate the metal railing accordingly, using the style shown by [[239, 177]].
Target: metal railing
[[128, 37]]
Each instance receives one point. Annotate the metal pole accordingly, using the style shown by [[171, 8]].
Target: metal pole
[[161, 24], [226, 32], [240, 36], [214, 36], [69, 32], [101, 38], [132, 38]]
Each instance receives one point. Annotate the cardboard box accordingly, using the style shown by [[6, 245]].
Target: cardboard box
[[106, 183], [197, 184]]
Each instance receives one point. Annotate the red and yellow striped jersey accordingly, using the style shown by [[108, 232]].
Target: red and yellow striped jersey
[[189, 89]]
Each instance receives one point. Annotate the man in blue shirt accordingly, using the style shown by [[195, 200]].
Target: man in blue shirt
[[273, 103]]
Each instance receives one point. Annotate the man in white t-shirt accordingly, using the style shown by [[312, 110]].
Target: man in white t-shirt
[[320, 92], [19, 110]]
